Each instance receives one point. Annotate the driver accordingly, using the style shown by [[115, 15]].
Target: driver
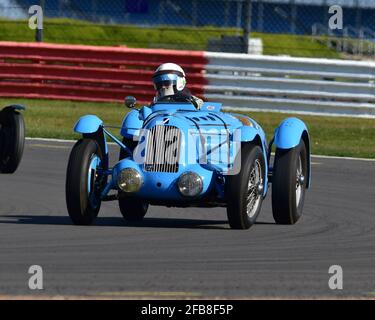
[[169, 82]]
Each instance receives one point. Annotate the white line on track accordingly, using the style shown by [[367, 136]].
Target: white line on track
[[112, 143], [341, 158]]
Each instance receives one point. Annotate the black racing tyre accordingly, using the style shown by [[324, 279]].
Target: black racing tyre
[[132, 209], [289, 184], [12, 140], [244, 191], [84, 182]]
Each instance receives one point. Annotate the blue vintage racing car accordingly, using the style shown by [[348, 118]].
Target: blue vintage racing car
[[173, 154], [12, 138]]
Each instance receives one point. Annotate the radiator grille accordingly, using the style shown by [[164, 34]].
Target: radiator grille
[[163, 149]]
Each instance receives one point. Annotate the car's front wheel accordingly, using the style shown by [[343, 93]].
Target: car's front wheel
[[132, 209], [289, 184], [244, 191], [84, 182]]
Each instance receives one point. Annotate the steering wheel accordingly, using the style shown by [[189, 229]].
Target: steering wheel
[[178, 98]]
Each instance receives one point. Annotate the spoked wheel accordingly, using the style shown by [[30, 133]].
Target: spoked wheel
[[12, 140], [244, 190], [289, 184], [132, 209], [253, 195], [300, 180], [85, 181]]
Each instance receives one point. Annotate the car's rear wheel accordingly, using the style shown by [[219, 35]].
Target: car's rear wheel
[[132, 209], [289, 184], [12, 140], [84, 182], [244, 191]]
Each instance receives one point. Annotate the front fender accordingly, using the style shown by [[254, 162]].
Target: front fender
[[88, 124], [91, 127], [289, 133], [14, 107]]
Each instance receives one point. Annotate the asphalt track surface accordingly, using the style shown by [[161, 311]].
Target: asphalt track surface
[[186, 253]]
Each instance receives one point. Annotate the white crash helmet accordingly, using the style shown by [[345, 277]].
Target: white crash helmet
[[169, 79]]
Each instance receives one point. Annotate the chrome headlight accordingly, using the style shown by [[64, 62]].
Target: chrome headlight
[[129, 180], [190, 184]]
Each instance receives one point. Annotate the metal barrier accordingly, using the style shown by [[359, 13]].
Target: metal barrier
[[296, 85], [89, 73], [239, 81]]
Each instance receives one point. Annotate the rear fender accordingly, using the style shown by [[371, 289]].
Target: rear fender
[[257, 136], [248, 133]]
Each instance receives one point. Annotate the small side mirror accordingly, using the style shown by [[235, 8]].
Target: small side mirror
[[130, 102]]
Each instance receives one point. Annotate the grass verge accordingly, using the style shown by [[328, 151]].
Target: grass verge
[[191, 38], [351, 137]]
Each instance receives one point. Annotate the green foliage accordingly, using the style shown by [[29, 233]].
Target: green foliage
[[191, 38]]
